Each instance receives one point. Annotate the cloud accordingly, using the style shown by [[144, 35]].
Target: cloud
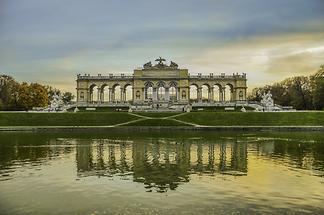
[[52, 41], [264, 59]]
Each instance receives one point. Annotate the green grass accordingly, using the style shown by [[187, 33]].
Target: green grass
[[64, 119], [200, 118], [157, 115], [157, 122], [254, 118]]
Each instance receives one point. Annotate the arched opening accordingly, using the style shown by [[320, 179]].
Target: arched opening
[[161, 93], [148, 93], [173, 93], [94, 93], [129, 93], [105, 93], [193, 93], [218, 96], [228, 92], [116, 93], [205, 93]]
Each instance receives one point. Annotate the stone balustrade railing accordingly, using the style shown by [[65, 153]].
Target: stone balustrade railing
[[122, 76]]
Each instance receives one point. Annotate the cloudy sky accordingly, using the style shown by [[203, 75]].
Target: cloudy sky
[[50, 41]]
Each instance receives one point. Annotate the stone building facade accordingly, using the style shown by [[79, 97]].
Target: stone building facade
[[159, 83]]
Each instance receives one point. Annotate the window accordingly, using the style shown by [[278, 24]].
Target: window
[[138, 94], [241, 95], [183, 95], [82, 96]]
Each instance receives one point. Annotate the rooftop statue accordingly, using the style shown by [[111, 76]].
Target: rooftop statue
[[160, 64], [174, 65], [160, 60], [148, 65]]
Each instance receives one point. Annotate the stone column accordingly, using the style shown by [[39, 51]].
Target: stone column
[[78, 96], [199, 94], [102, 96], [143, 96], [178, 94], [121, 94], [88, 96], [98, 95], [212, 94], [223, 94], [113, 95], [124, 94], [110, 94], [231, 95]]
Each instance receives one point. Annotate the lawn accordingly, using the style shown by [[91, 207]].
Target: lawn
[[200, 118], [254, 118], [64, 119]]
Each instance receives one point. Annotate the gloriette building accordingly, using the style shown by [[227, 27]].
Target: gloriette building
[[164, 84]]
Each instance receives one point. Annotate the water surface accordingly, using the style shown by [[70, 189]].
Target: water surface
[[159, 173]]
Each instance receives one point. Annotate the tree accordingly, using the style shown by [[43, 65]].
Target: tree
[[300, 92], [39, 95], [318, 89], [25, 101], [67, 97], [8, 92]]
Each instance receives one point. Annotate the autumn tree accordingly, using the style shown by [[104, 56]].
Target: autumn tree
[[8, 92], [318, 89]]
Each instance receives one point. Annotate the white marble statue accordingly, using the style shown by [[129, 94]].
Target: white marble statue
[[56, 103], [267, 100]]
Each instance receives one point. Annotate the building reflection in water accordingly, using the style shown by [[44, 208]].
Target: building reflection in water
[[158, 164]]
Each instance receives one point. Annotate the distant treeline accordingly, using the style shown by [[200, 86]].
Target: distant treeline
[[301, 92], [24, 96]]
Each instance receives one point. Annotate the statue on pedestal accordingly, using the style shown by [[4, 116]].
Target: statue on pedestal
[[56, 103], [267, 100]]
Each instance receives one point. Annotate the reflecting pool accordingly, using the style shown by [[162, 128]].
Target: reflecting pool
[[162, 173]]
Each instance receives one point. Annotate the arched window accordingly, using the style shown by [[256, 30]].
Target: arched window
[[82, 96], [183, 94], [241, 95], [138, 94]]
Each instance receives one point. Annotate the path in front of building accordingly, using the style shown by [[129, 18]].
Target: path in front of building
[[147, 117]]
